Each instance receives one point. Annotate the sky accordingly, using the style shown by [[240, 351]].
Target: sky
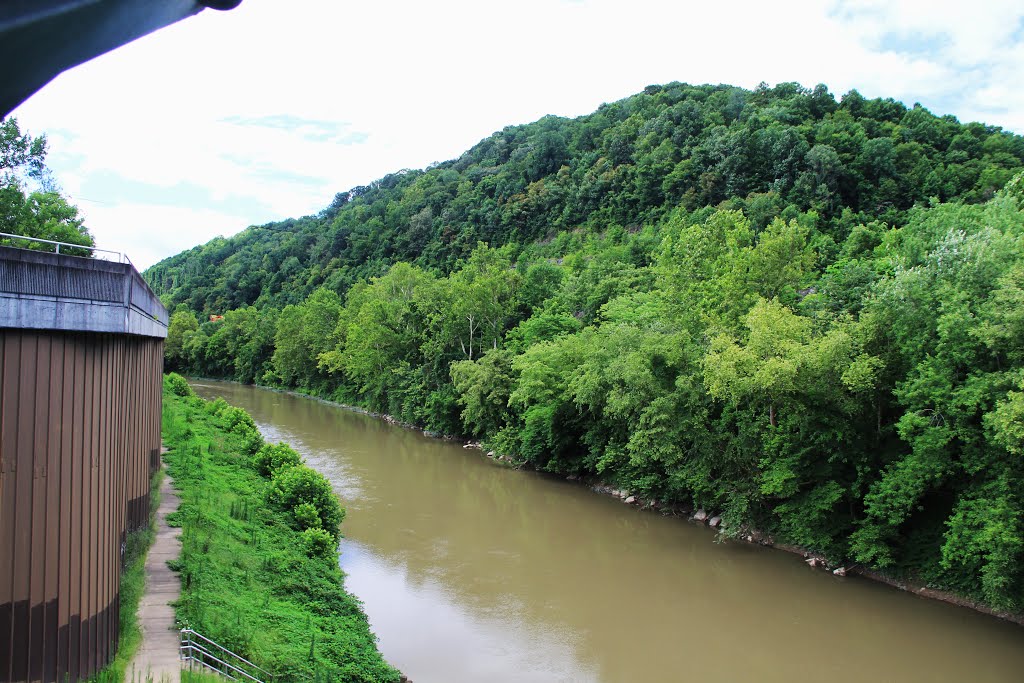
[[231, 119]]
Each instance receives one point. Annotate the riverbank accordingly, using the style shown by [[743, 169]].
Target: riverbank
[[470, 570], [252, 580], [815, 561]]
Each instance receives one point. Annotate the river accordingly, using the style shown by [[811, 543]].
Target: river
[[470, 571]]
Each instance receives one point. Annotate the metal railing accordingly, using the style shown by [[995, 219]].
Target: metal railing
[[105, 254], [195, 647]]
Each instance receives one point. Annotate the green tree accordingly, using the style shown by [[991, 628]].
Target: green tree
[[765, 368], [182, 322], [479, 303], [42, 213], [304, 333], [47, 215], [380, 331], [484, 387], [20, 153]]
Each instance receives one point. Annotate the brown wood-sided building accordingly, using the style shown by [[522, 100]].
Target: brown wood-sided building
[[81, 362]]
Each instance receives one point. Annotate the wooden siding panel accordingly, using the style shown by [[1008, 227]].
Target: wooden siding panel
[[68, 400], [79, 421], [8, 479], [37, 524], [53, 509], [22, 548], [77, 426]]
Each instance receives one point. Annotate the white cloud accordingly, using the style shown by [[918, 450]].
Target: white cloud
[[155, 231], [972, 32], [345, 93]]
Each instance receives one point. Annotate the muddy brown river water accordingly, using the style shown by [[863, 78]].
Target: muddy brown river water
[[472, 572]]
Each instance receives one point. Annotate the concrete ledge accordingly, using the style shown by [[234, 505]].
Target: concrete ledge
[[40, 290]]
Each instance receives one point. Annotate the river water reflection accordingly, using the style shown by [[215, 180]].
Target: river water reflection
[[473, 572]]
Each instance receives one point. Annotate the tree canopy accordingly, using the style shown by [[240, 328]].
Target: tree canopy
[[771, 153], [41, 212]]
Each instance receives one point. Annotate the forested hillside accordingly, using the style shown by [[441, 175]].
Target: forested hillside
[[774, 151], [804, 314]]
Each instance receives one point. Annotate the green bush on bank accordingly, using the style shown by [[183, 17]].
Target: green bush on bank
[[236, 421], [307, 496], [272, 457], [259, 567], [178, 385]]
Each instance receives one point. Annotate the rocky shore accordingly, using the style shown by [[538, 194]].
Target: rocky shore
[[747, 535]]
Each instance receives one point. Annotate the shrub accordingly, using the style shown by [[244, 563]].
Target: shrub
[[307, 516], [319, 542], [250, 437], [216, 406], [236, 419], [178, 385], [239, 423], [293, 486], [273, 457]]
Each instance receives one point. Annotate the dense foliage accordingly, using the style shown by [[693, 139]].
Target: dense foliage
[[806, 316], [770, 152], [259, 561], [30, 205]]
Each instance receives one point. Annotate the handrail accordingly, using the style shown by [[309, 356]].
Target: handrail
[[121, 256], [225, 664]]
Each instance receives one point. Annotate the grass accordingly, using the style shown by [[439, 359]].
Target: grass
[[248, 582]]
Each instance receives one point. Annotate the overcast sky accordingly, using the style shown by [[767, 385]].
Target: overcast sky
[[226, 120]]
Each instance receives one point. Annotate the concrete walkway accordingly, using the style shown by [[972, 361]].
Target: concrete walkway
[[157, 658]]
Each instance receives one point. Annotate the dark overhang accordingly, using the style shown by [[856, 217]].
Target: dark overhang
[[41, 38]]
